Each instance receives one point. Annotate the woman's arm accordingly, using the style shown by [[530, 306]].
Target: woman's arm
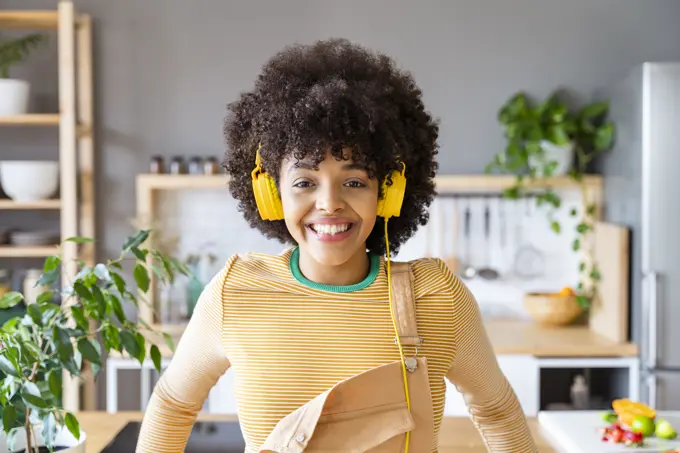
[[199, 361], [475, 372]]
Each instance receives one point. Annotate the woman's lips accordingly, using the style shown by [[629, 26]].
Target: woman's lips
[[330, 231]]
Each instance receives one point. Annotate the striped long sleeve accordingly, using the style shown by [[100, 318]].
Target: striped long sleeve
[[491, 401], [199, 361]]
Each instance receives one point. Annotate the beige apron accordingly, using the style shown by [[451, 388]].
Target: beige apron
[[367, 412]]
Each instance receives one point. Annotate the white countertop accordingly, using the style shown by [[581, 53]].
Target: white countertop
[[577, 432]]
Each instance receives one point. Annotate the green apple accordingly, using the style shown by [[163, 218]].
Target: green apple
[[643, 425], [664, 430], [609, 417]]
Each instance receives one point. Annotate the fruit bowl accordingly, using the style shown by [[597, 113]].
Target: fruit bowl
[[553, 309]]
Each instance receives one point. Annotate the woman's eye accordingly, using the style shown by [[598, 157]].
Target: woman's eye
[[302, 184], [355, 184]]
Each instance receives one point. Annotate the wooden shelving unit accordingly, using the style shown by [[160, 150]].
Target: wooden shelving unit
[[74, 121]]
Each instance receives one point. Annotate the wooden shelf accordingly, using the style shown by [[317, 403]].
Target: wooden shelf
[[29, 19], [175, 182], [445, 183], [453, 183], [31, 119], [42, 204], [16, 251]]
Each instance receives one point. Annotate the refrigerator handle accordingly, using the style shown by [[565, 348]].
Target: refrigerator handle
[[653, 318], [651, 391]]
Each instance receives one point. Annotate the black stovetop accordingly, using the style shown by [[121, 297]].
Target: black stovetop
[[206, 437]]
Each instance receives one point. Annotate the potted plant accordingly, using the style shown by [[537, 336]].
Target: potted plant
[[51, 337], [14, 93], [546, 140]]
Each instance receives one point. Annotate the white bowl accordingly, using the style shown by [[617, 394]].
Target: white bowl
[[26, 181]]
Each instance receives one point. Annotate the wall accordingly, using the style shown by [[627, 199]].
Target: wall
[[165, 70]]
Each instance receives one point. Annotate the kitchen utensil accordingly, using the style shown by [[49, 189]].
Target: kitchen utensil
[[487, 273], [452, 260], [529, 261], [469, 271]]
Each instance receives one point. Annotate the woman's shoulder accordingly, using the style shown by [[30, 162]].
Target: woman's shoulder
[[255, 268], [433, 275]]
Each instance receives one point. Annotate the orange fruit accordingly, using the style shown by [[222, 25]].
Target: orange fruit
[[566, 291], [629, 410]]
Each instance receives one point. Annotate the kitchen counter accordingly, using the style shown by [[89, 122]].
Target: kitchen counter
[[458, 434], [513, 336]]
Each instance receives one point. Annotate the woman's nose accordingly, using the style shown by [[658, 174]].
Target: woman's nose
[[330, 200]]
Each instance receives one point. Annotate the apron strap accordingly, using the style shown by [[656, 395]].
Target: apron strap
[[404, 304]]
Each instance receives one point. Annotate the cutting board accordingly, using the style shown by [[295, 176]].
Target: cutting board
[[577, 432], [609, 314]]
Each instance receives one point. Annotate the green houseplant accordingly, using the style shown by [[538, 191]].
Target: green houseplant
[[14, 93], [52, 337], [549, 139]]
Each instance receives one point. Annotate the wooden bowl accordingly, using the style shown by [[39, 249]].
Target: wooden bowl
[[552, 309]]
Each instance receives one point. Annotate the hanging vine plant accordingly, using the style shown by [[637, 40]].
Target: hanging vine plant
[[548, 139]]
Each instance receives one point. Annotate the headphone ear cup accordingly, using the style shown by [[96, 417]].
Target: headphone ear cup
[[267, 198], [393, 196]]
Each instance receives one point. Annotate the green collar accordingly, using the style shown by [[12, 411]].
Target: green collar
[[370, 278]]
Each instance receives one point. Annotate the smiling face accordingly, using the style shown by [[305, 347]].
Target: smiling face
[[330, 210]]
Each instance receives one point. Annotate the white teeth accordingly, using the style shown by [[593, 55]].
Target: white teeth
[[330, 229]]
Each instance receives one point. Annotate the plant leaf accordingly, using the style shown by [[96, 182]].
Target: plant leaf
[[90, 352], [35, 313], [140, 253], [9, 415], [129, 343], [82, 291], [30, 388], [156, 357], [51, 263], [142, 277], [135, 240], [117, 308], [99, 298], [34, 401], [54, 383], [119, 282], [79, 316], [169, 341], [79, 240], [72, 424], [7, 367], [10, 299]]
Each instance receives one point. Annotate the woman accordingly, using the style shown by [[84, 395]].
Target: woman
[[334, 128]]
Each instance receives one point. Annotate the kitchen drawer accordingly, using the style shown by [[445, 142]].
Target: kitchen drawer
[[522, 373]]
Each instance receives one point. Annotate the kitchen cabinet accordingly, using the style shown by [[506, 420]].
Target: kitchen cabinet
[[521, 371]]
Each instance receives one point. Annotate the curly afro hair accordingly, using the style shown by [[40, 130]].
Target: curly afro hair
[[331, 95]]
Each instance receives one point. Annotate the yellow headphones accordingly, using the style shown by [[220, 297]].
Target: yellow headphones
[[270, 208]]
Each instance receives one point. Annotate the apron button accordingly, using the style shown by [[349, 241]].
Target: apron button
[[300, 438]]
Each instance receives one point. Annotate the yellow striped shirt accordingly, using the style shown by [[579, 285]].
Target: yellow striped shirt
[[289, 339]]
